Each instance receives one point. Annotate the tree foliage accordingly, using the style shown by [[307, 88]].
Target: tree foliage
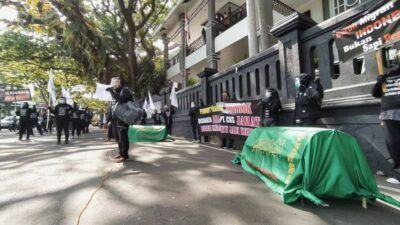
[[105, 38]]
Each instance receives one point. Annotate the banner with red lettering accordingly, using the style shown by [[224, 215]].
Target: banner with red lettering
[[230, 118], [370, 31]]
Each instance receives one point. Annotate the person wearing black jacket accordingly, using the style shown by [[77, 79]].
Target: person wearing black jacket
[[82, 120], [227, 142], [157, 118], [167, 114], [193, 121], [25, 121], [62, 113], [121, 94], [76, 122], [387, 87], [308, 100], [35, 121], [271, 108]]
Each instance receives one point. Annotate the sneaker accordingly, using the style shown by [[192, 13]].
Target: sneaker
[[20, 139], [65, 142], [393, 181], [193, 141], [121, 160], [224, 148], [230, 149], [58, 142], [117, 157], [197, 141]]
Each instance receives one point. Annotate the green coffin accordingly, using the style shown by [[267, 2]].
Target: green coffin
[[309, 162], [139, 133]]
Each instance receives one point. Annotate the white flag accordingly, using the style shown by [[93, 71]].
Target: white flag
[[66, 94], [151, 103], [173, 98], [145, 105], [51, 88], [101, 92]]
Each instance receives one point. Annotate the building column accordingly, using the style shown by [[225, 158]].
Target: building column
[[265, 21], [166, 56], [211, 33], [182, 62], [252, 35]]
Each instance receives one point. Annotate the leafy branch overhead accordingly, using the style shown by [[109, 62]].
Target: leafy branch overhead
[[104, 38]]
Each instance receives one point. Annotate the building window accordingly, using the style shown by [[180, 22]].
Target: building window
[[211, 93], [314, 61], [221, 90], [340, 6], [334, 60], [233, 86], [216, 93], [359, 65], [241, 86], [248, 84], [389, 55], [257, 82], [278, 75], [227, 85], [267, 76]]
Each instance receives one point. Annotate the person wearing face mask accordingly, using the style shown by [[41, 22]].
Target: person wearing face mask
[[309, 96], [121, 94], [167, 115], [227, 143], [25, 120], [193, 121], [271, 108], [62, 113], [76, 122], [35, 120], [387, 89]]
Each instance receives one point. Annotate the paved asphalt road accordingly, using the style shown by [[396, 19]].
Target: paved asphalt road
[[166, 183]]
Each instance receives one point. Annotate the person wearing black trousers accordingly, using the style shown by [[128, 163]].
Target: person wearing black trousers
[[121, 94], [62, 113], [76, 122], [168, 115], [35, 121], [25, 121], [308, 101], [193, 121], [387, 89], [227, 142], [271, 108], [82, 120]]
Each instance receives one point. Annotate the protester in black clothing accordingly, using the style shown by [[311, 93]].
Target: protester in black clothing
[[88, 119], [110, 127], [157, 118], [82, 119], [121, 94], [35, 120], [308, 100], [271, 108], [76, 122], [193, 121], [62, 113], [386, 88], [25, 120], [144, 118], [227, 142], [167, 114]]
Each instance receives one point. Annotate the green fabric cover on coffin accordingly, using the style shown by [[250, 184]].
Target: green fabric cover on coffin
[[140, 133], [309, 162]]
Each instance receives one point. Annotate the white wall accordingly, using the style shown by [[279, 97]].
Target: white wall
[[173, 71]]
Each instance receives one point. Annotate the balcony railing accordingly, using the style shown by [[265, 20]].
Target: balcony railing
[[198, 43]]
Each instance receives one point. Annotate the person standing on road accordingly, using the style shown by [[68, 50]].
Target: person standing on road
[[62, 112], [76, 122], [387, 88], [157, 118], [82, 119], [193, 121], [121, 94], [271, 108], [227, 142], [25, 122], [167, 115], [35, 120], [88, 119], [308, 100]]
